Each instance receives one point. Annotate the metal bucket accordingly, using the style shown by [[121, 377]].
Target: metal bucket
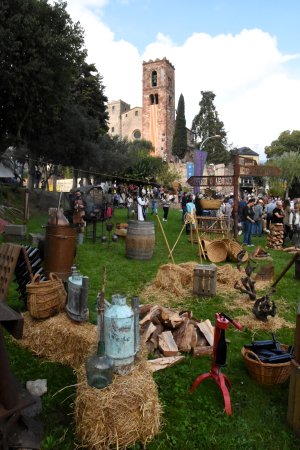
[[140, 240], [60, 245]]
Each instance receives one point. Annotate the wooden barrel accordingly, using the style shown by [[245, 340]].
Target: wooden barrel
[[59, 251], [140, 240]]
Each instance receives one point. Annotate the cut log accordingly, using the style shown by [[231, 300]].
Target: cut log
[[154, 312], [202, 351], [179, 332], [148, 332], [189, 338], [208, 330], [143, 310], [167, 344], [163, 363]]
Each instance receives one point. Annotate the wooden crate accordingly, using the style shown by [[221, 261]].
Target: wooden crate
[[205, 280], [9, 254]]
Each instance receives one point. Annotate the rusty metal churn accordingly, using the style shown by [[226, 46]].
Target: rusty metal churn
[[60, 245]]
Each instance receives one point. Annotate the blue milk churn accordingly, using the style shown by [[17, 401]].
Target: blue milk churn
[[119, 332]]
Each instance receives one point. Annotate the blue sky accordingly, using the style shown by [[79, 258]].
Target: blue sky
[[138, 21], [247, 52]]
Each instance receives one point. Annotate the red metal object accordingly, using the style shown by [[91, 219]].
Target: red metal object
[[219, 360]]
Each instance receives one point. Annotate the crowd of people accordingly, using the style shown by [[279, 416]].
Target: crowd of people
[[255, 215]]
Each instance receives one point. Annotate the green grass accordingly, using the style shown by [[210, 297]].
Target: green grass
[[191, 421]]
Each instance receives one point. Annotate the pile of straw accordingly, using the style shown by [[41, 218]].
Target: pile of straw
[[175, 278], [273, 323], [125, 412], [174, 282], [59, 339]]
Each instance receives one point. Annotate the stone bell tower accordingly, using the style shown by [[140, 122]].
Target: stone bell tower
[[159, 106]]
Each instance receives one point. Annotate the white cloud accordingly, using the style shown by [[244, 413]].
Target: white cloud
[[255, 96]]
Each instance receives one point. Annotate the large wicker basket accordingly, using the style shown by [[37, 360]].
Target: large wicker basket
[[45, 298], [216, 251], [267, 374], [234, 248], [212, 203]]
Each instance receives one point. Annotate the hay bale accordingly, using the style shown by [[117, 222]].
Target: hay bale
[[125, 412], [48, 337], [175, 278]]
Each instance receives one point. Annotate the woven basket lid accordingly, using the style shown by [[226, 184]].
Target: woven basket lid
[[217, 251]]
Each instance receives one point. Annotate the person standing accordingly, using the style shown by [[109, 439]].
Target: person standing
[[288, 220], [269, 211], [241, 224], [166, 201], [154, 204], [248, 215], [190, 214], [140, 207], [278, 213], [129, 204], [258, 211]]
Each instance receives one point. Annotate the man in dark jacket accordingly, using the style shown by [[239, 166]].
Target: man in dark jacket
[[248, 216]]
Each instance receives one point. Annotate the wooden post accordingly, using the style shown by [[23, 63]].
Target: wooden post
[[236, 175], [293, 413], [165, 238]]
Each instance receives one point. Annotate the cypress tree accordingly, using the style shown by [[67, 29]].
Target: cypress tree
[[179, 144], [207, 123]]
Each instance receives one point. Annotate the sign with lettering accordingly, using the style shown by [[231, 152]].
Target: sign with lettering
[[211, 181], [263, 171]]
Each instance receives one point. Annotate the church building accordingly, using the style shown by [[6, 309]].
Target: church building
[[155, 120]]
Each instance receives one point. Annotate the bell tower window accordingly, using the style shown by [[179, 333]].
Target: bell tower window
[[154, 78]]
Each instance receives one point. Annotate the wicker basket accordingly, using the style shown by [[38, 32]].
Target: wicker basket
[[267, 374], [216, 251], [45, 298], [234, 248], [210, 203]]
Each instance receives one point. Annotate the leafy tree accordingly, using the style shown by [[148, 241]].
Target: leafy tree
[[74, 139], [288, 141], [41, 55], [207, 123], [179, 144], [289, 164], [89, 96]]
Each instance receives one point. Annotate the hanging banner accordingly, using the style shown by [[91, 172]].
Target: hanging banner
[[189, 169], [199, 163]]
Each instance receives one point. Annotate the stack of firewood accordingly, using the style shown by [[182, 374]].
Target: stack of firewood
[[167, 333], [276, 236]]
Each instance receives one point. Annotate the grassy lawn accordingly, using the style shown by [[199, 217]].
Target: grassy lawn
[[191, 421]]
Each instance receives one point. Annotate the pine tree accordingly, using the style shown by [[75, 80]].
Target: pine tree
[[207, 123], [179, 144]]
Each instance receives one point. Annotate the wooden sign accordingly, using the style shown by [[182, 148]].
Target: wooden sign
[[211, 181], [263, 171]]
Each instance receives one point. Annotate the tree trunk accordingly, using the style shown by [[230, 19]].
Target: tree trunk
[[54, 178], [31, 172], [75, 178]]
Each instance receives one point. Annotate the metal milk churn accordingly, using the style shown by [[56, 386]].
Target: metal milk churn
[[119, 328], [77, 308]]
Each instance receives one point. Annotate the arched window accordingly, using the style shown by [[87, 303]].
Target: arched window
[[151, 99], [154, 78], [156, 99]]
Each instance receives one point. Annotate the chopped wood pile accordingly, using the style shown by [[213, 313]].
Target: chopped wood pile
[[166, 332], [276, 236]]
